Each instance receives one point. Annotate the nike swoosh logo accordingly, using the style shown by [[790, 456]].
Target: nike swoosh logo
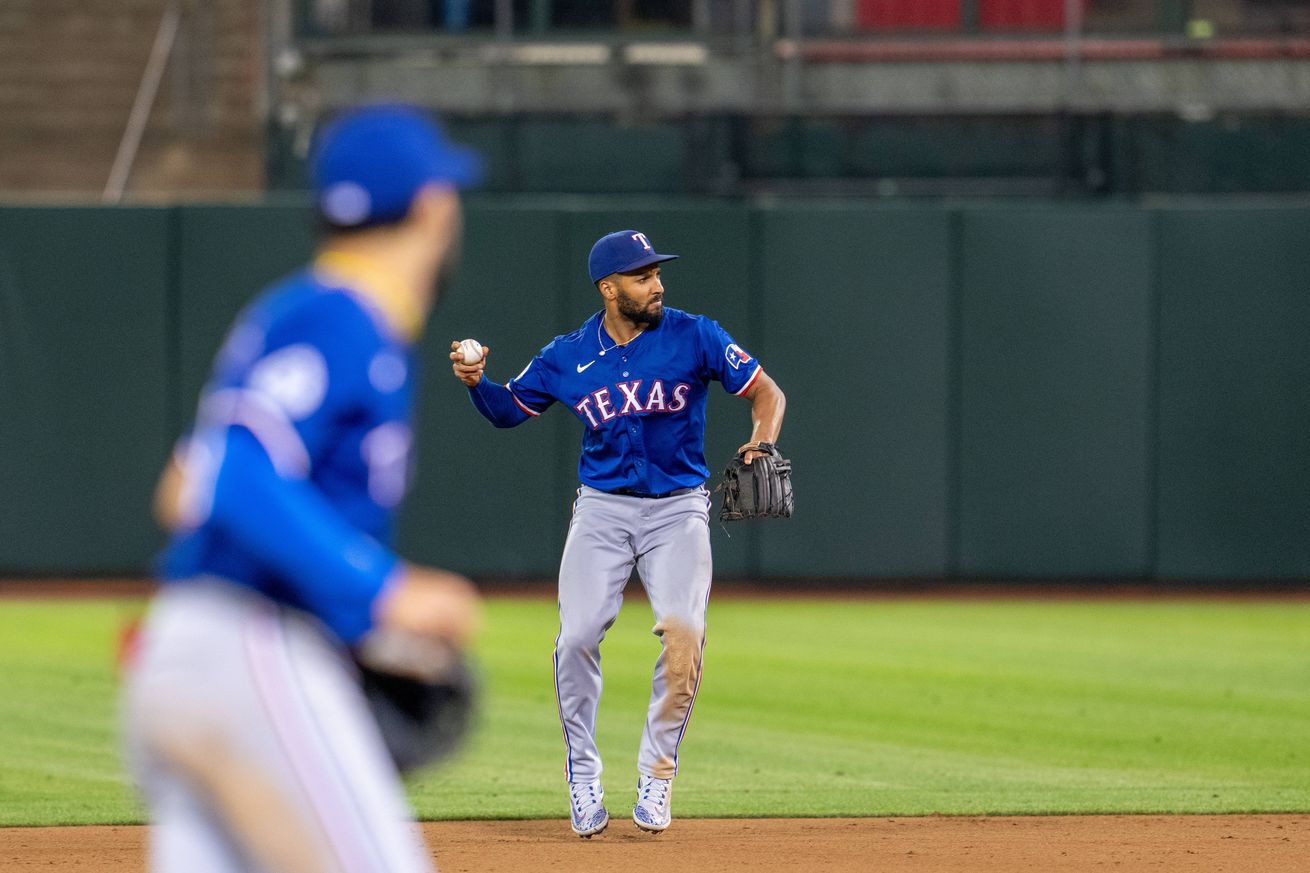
[[582, 367]]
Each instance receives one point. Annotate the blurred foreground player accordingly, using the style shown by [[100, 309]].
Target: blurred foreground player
[[245, 719]]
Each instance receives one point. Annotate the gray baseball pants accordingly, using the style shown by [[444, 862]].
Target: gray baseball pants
[[252, 744], [668, 541]]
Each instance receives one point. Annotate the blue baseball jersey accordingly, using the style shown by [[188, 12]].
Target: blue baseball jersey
[[642, 405], [300, 454]]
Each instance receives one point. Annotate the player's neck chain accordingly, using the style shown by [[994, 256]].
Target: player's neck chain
[[600, 338]]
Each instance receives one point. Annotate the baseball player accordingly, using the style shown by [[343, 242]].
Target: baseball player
[[245, 724], [636, 374]]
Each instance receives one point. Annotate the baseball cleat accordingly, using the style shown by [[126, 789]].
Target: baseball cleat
[[654, 809], [587, 808]]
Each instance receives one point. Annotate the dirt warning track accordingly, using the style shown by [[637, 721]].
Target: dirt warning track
[[1050, 844]]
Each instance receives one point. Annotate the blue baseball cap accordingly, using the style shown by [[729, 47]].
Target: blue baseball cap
[[622, 252], [370, 161]]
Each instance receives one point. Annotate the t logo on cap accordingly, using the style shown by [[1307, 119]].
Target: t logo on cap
[[622, 252]]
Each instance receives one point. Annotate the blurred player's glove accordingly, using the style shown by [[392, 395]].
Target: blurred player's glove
[[760, 489], [422, 693]]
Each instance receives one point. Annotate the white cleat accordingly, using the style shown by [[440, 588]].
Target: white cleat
[[654, 809], [587, 808]]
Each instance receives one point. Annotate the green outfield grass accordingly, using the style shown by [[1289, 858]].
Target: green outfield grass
[[816, 708]]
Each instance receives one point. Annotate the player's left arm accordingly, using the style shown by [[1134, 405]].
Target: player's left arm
[[768, 405], [743, 375]]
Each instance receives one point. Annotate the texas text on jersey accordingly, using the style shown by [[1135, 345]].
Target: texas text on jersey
[[642, 404]]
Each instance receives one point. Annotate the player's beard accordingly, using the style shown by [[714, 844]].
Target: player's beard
[[649, 315]]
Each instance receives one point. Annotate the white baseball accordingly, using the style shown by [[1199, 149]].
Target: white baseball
[[472, 350]]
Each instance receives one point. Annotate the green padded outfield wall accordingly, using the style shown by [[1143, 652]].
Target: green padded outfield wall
[[1234, 436], [1055, 340], [856, 304], [1022, 390], [84, 382]]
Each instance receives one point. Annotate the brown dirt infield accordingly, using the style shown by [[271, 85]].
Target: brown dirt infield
[[1052, 844]]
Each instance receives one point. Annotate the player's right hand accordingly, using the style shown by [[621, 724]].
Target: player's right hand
[[430, 602], [469, 374]]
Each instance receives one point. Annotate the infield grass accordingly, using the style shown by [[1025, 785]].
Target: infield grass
[[807, 708]]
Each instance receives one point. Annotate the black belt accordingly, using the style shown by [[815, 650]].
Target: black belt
[[676, 492]]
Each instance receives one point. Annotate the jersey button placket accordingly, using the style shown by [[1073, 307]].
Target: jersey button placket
[[639, 454]]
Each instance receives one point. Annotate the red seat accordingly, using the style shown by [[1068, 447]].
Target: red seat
[[945, 14], [908, 14], [1022, 14]]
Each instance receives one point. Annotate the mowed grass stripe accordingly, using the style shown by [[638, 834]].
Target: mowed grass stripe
[[812, 708]]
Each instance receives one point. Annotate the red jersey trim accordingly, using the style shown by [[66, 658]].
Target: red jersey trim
[[751, 380], [530, 412]]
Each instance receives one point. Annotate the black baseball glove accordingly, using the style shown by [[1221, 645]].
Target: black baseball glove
[[422, 693], [760, 489]]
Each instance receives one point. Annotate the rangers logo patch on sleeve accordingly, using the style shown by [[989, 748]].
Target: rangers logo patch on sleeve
[[737, 356]]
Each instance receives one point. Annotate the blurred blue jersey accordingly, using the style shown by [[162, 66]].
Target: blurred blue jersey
[[642, 405], [300, 454]]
